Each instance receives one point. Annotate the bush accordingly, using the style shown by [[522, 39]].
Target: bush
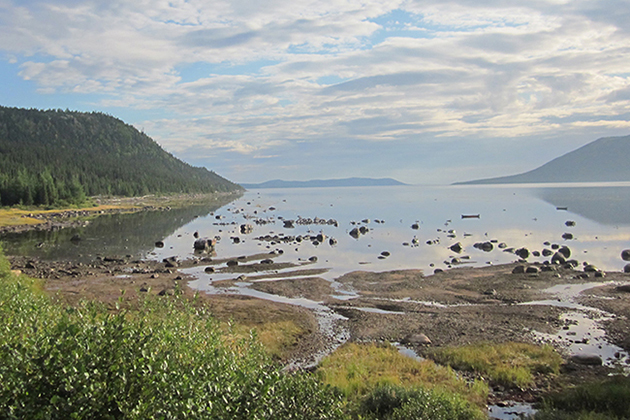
[[166, 360], [389, 402]]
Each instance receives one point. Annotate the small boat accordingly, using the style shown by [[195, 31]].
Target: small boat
[[470, 216]]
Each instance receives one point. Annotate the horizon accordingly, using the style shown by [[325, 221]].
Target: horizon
[[424, 92]]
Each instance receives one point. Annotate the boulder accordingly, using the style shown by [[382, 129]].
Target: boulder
[[246, 229], [204, 244], [355, 233], [159, 244], [625, 255], [456, 247], [522, 253], [519, 269], [567, 236], [626, 268], [565, 251], [586, 359], [558, 258], [416, 340], [624, 288]]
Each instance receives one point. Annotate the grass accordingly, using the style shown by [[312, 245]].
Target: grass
[[358, 369], [510, 364]]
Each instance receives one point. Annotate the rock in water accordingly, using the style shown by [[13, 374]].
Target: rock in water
[[456, 247], [625, 255]]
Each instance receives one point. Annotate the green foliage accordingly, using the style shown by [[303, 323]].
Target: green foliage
[[510, 364], [166, 360], [59, 157], [390, 402], [609, 399]]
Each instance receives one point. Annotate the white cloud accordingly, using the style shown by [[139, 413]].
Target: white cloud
[[460, 68]]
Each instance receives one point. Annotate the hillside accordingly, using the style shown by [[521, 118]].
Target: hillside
[[345, 182], [54, 156], [604, 160]]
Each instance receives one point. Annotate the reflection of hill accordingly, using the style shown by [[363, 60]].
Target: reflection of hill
[[120, 234], [605, 205]]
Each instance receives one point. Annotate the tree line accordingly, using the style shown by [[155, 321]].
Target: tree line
[[52, 156]]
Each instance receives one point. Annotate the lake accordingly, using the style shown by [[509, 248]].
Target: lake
[[412, 225]]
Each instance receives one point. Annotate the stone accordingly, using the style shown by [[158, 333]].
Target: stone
[[209, 269], [522, 253], [565, 251], [625, 255], [418, 339], [355, 233], [232, 263], [547, 252], [332, 242], [532, 270], [567, 236], [519, 269], [313, 259], [569, 223], [624, 288], [626, 268], [159, 244], [456, 247], [590, 268], [386, 253], [558, 258], [246, 229], [586, 359]]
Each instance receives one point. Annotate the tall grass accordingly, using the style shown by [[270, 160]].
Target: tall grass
[[168, 359], [380, 383], [510, 364]]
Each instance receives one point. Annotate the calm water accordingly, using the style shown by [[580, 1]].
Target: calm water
[[520, 216]]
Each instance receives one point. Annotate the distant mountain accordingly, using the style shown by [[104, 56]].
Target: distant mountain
[[604, 160], [55, 156], [346, 182]]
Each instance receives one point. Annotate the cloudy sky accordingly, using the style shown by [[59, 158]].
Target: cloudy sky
[[425, 91]]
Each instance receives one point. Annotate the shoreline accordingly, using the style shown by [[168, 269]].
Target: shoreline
[[18, 220]]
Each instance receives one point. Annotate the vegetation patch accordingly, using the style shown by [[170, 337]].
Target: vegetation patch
[[606, 400], [169, 359], [359, 369], [391, 402], [509, 364]]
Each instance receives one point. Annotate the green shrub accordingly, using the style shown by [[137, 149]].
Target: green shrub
[[389, 402], [167, 360]]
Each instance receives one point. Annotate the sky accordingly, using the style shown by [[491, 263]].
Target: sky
[[424, 91]]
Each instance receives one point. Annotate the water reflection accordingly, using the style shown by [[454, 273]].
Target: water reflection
[[118, 234], [603, 204], [414, 225]]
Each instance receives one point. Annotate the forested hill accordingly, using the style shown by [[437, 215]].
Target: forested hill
[[54, 156]]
